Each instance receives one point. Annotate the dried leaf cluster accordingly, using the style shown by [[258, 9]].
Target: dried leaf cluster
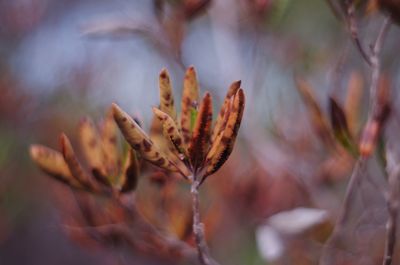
[[191, 146], [196, 148]]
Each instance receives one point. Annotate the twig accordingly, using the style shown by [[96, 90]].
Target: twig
[[393, 171], [353, 28], [354, 181], [198, 227], [375, 61]]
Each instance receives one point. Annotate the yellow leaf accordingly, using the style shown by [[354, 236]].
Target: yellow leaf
[[91, 146], [139, 141], [109, 136], [171, 132], [52, 163], [166, 95], [75, 167]]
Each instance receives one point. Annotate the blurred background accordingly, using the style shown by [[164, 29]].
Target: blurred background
[[278, 195]]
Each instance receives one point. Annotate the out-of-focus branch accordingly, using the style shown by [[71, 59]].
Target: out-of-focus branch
[[375, 61], [376, 118], [353, 28], [354, 182], [393, 171]]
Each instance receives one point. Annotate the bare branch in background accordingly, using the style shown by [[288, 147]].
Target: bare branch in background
[[378, 113], [353, 28], [392, 202]]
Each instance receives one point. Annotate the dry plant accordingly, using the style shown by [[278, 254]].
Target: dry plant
[[193, 148], [378, 113]]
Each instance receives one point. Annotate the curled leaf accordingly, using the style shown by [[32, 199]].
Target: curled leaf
[[139, 141], [171, 131], [166, 95], [130, 175], [223, 146], [75, 167], [201, 133], [190, 99], [218, 124], [91, 146], [52, 163]]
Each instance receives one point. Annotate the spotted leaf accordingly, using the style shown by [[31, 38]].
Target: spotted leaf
[[190, 99], [223, 146], [92, 147], [218, 124], [171, 132], [139, 141], [52, 162], [201, 132], [75, 167], [166, 95]]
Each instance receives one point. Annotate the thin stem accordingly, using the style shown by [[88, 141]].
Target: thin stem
[[392, 201], [353, 28], [375, 61], [198, 227], [354, 181]]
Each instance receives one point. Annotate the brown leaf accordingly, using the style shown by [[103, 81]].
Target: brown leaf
[[369, 138], [193, 8], [139, 141], [383, 102], [224, 144], [340, 127], [392, 7], [218, 124], [109, 136], [131, 172], [166, 95], [338, 118], [75, 167], [201, 133], [317, 118], [353, 102], [171, 132], [91, 146], [190, 99], [52, 163], [215, 144]]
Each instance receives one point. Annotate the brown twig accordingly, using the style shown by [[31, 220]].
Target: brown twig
[[374, 61], [198, 227], [354, 182], [392, 201], [353, 28]]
